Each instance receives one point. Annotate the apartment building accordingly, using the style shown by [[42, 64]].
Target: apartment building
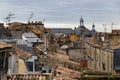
[[103, 53]]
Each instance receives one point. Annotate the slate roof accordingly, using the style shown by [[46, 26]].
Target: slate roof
[[26, 48], [23, 54], [29, 35], [31, 38], [22, 44], [8, 40], [77, 31], [84, 30], [62, 30], [2, 32]]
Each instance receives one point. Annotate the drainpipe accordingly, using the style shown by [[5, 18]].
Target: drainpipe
[[95, 59], [1, 75], [12, 63], [45, 42], [108, 66], [34, 66], [4, 60]]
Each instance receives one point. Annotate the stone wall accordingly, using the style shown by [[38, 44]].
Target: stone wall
[[99, 59]]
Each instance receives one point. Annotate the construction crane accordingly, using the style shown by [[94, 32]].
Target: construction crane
[[31, 15]]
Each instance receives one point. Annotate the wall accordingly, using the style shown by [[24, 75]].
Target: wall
[[74, 54], [17, 34], [73, 37], [99, 59], [12, 63]]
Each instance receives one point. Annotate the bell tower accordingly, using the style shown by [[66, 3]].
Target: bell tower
[[93, 27], [81, 21]]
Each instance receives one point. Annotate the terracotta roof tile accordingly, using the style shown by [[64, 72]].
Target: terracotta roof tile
[[16, 25], [28, 76], [5, 45], [66, 72], [23, 54], [114, 44]]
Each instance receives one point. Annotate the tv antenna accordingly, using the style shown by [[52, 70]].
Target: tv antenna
[[112, 26], [31, 15], [8, 18], [105, 29]]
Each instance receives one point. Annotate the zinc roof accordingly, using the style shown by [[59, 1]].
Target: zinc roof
[[31, 38]]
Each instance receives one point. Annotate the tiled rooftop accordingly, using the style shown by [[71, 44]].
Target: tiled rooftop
[[28, 77], [115, 31], [65, 72], [114, 43], [16, 25], [22, 54], [5, 45]]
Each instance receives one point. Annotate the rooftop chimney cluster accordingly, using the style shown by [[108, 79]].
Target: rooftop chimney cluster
[[115, 32], [35, 23]]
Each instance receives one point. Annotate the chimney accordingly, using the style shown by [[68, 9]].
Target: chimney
[[28, 22], [32, 22], [36, 22]]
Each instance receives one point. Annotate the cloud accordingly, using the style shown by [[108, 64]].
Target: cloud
[[63, 11]]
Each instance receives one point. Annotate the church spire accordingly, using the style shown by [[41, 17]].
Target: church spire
[[93, 27], [81, 21]]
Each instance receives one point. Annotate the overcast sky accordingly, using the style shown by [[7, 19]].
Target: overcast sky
[[64, 13]]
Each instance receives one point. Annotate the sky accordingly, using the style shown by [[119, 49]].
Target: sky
[[64, 13]]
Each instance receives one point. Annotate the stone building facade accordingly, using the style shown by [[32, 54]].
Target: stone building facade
[[99, 59], [103, 55]]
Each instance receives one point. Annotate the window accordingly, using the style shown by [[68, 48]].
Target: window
[[103, 66]]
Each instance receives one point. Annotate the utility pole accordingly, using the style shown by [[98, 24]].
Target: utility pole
[[112, 26], [105, 30], [108, 66]]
